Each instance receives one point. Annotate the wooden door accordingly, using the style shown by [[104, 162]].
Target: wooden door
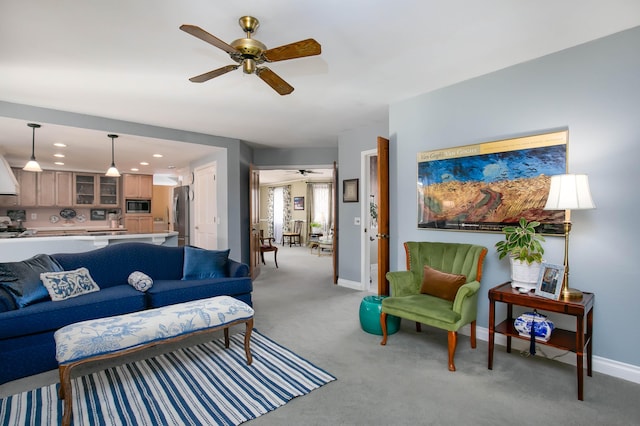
[[383, 216], [254, 229], [334, 208], [206, 208]]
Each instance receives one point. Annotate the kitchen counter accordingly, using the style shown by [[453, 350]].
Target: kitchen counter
[[21, 248]]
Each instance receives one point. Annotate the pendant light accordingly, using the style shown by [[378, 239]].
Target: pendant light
[[112, 172], [32, 165]]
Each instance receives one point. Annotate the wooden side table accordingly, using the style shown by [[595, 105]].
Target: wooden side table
[[561, 339]]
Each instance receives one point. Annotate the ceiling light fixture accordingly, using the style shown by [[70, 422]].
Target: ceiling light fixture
[[60, 145], [112, 172], [144, 163], [32, 165], [58, 155]]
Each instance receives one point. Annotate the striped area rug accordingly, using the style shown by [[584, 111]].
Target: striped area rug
[[201, 385]]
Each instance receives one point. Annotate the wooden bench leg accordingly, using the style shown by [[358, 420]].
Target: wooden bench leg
[[66, 394], [247, 339]]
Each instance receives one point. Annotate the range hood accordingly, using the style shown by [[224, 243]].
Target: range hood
[[8, 182]]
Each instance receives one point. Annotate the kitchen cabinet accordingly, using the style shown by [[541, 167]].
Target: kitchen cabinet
[[95, 190], [84, 189], [108, 190], [64, 189], [46, 188], [138, 186], [138, 224]]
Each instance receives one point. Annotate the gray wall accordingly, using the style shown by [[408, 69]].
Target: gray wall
[[272, 158], [594, 91]]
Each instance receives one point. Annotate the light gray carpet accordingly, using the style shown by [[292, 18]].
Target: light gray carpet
[[407, 381]]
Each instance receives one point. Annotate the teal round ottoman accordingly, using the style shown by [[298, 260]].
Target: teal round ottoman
[[370, 309]]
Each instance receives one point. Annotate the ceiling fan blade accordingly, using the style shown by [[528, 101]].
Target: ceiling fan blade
[[299, 49], [205, 36], [212, 74], [273, 80]]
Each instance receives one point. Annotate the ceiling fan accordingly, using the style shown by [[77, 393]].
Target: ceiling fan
[[304, 172], [250, 53]]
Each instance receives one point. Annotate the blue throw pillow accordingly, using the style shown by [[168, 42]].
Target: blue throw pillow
[[201, 264], [22, 279], [6, 301]]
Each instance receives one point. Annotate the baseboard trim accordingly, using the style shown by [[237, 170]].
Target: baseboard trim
[[355, 285], [602, 365]]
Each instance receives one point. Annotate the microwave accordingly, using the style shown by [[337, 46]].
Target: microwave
[[138, 206]]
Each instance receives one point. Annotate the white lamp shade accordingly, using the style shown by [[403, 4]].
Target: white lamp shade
[[32, 166], [569, 192], [112, 172]]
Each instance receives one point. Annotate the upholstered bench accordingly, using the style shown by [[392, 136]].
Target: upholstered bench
[[112, 337]]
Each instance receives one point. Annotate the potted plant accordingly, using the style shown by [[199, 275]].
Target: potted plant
[[316, 227], [522, 245]]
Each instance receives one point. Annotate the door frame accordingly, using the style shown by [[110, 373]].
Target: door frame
[[365, 249]]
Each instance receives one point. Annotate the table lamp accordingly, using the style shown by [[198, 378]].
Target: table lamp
[[569, 192]]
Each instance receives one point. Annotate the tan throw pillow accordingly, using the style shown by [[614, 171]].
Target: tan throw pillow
[[441, 284]]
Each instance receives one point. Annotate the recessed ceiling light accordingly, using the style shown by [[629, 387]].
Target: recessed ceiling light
[[157, 155], [59, 163], [60, 145], [171, 167], [59, 155], [144, 163], [134, 169]]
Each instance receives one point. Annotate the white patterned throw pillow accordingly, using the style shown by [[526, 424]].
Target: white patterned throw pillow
[[140, 281], [68, 284]]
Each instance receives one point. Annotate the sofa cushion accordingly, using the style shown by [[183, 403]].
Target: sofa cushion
[[202, 264], [167, 292], [140, 281], [111, 265], [45, 316], [22, 279], [441, 284], [66, 284], [7, 303]]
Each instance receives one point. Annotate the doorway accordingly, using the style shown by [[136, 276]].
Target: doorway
[[369, 206]]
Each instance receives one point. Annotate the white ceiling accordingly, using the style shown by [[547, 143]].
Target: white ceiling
[[128, 60]]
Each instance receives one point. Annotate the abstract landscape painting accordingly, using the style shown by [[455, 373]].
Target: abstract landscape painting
[[487, 186]]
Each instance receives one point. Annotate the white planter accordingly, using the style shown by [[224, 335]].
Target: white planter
[[316, 230], [524, 275]]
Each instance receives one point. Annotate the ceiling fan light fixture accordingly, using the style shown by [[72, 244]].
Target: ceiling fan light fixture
[[32, 165], [112, 171], [249, 66]]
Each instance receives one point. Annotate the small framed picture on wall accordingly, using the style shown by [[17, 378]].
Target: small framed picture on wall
[[298, 203], [350, 190]]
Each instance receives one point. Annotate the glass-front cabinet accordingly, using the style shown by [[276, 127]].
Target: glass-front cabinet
[[84, 189], [95, 190], [108, 187]]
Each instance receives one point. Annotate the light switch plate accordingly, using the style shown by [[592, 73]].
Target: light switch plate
[[356, 221]]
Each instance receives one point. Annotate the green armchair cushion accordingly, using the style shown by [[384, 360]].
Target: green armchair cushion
[[441, 284]]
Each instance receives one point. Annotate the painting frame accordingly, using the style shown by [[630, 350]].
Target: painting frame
[[487, 186], [298, 203], [350, 190], [550, 281]]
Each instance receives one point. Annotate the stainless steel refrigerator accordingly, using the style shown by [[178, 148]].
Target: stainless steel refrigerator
[[181, 214]]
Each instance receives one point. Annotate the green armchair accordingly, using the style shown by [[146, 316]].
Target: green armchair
[[433, 300]]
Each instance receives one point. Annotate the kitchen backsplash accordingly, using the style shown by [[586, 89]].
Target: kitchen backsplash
[[41, 217]]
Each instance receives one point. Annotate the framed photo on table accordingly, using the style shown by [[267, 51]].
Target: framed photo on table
[[350, 190], [550, 281], [298, 203]]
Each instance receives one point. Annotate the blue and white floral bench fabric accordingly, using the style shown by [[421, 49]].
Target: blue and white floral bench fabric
[[112, 337]]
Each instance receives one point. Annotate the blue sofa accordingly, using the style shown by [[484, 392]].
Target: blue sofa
[[179, 274]]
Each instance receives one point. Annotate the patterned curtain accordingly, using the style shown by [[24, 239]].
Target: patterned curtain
[[270, 211], [287, 214]]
